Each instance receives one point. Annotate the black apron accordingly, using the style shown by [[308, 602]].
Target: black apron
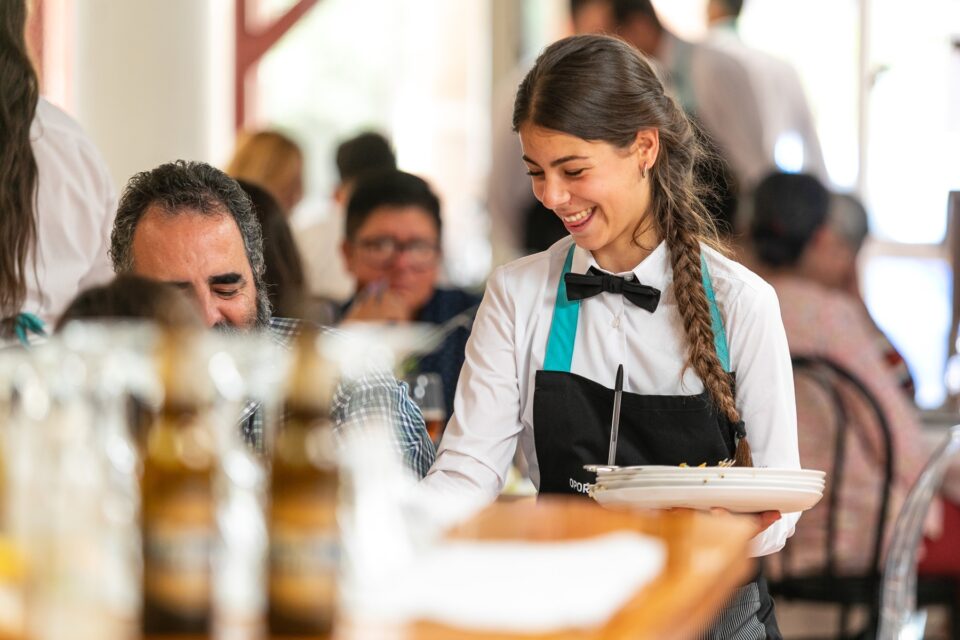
[[571, 419]]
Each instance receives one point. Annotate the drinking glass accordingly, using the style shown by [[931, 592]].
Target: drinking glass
[[426, 389]]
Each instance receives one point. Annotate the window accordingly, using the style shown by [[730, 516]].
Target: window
[[897, 147], [418, 72]]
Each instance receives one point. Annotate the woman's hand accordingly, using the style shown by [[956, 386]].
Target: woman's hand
[[763, 519]]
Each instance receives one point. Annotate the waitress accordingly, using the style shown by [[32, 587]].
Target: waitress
[[642, 281]]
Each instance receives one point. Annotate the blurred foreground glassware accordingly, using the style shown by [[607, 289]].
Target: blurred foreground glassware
[[74, 501], [177, 492], [304, 493], [175, 537], [384, 525], [12, 554], [118, 361], [248, 371], [426, 389]]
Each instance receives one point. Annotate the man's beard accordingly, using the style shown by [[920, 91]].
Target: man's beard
[[228, 329], [258, 320]]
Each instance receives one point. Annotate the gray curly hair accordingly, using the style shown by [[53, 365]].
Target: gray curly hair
[[197, 187]]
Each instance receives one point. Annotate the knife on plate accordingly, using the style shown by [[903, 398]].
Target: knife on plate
[[615, 421]]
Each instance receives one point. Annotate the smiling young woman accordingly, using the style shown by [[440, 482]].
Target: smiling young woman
[[641, 281], [593, 187]]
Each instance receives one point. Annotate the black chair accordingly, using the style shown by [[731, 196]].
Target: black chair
[[830, 585]]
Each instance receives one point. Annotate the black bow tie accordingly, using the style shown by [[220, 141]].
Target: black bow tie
[[582, 286]]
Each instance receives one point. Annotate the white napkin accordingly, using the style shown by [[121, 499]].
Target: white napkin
[[521, 586]]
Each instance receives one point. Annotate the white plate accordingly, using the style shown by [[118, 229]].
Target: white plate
[[699, 472], [661, 481], [813, 485], [746, 499], [718, 472], [602, 470]]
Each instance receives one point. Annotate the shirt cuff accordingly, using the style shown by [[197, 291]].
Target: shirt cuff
[[775, 536]]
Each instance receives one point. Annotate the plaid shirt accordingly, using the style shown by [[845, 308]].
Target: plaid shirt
[[375, 396]]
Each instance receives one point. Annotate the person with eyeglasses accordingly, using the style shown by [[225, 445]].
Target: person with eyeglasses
[[392, 248]]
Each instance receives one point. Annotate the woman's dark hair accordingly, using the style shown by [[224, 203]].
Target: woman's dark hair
[[389, 188], [788, 208], [283, 277], [19, 93], [599, 88], [129, 296]]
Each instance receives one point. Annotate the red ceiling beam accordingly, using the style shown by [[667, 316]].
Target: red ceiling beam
[[34, 35], [252, 44]]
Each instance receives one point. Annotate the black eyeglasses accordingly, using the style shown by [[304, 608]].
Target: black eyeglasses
[[382, 250]]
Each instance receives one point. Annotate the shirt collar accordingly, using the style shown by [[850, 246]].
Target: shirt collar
[[284, 330], [653, 271]]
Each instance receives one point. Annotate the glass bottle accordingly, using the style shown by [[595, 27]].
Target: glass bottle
[[177, 494], [304, 489]]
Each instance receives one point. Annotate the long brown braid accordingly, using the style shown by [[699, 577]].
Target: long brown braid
[[19, 93], [683, 222], [600, 88]]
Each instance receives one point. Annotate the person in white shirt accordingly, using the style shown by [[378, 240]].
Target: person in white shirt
[[789, 136], [56, 195], [641, 281], [711, 85]]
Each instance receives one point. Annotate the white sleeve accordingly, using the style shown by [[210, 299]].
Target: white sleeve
[[765, 394], [481, 437], [76, 207], [103, 210]]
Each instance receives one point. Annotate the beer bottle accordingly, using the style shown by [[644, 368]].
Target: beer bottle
[[304, 487], [177, 511]]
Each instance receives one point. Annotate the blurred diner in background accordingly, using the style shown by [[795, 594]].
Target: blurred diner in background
[[219, 393], [793, 235]]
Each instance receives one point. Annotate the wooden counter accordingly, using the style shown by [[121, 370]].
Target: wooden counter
[[706, 560]]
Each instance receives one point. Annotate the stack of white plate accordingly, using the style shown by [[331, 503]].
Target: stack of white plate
[[738, 489]]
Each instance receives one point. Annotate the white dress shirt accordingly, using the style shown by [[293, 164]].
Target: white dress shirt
[[781, 101], [493, 408], [716, 87], [76, 206]]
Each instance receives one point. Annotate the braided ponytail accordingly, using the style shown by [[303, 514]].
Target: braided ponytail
[[685, 224]]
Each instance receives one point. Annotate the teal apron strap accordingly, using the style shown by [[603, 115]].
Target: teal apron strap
[[25, 324], [563, 328], [719, 335]]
